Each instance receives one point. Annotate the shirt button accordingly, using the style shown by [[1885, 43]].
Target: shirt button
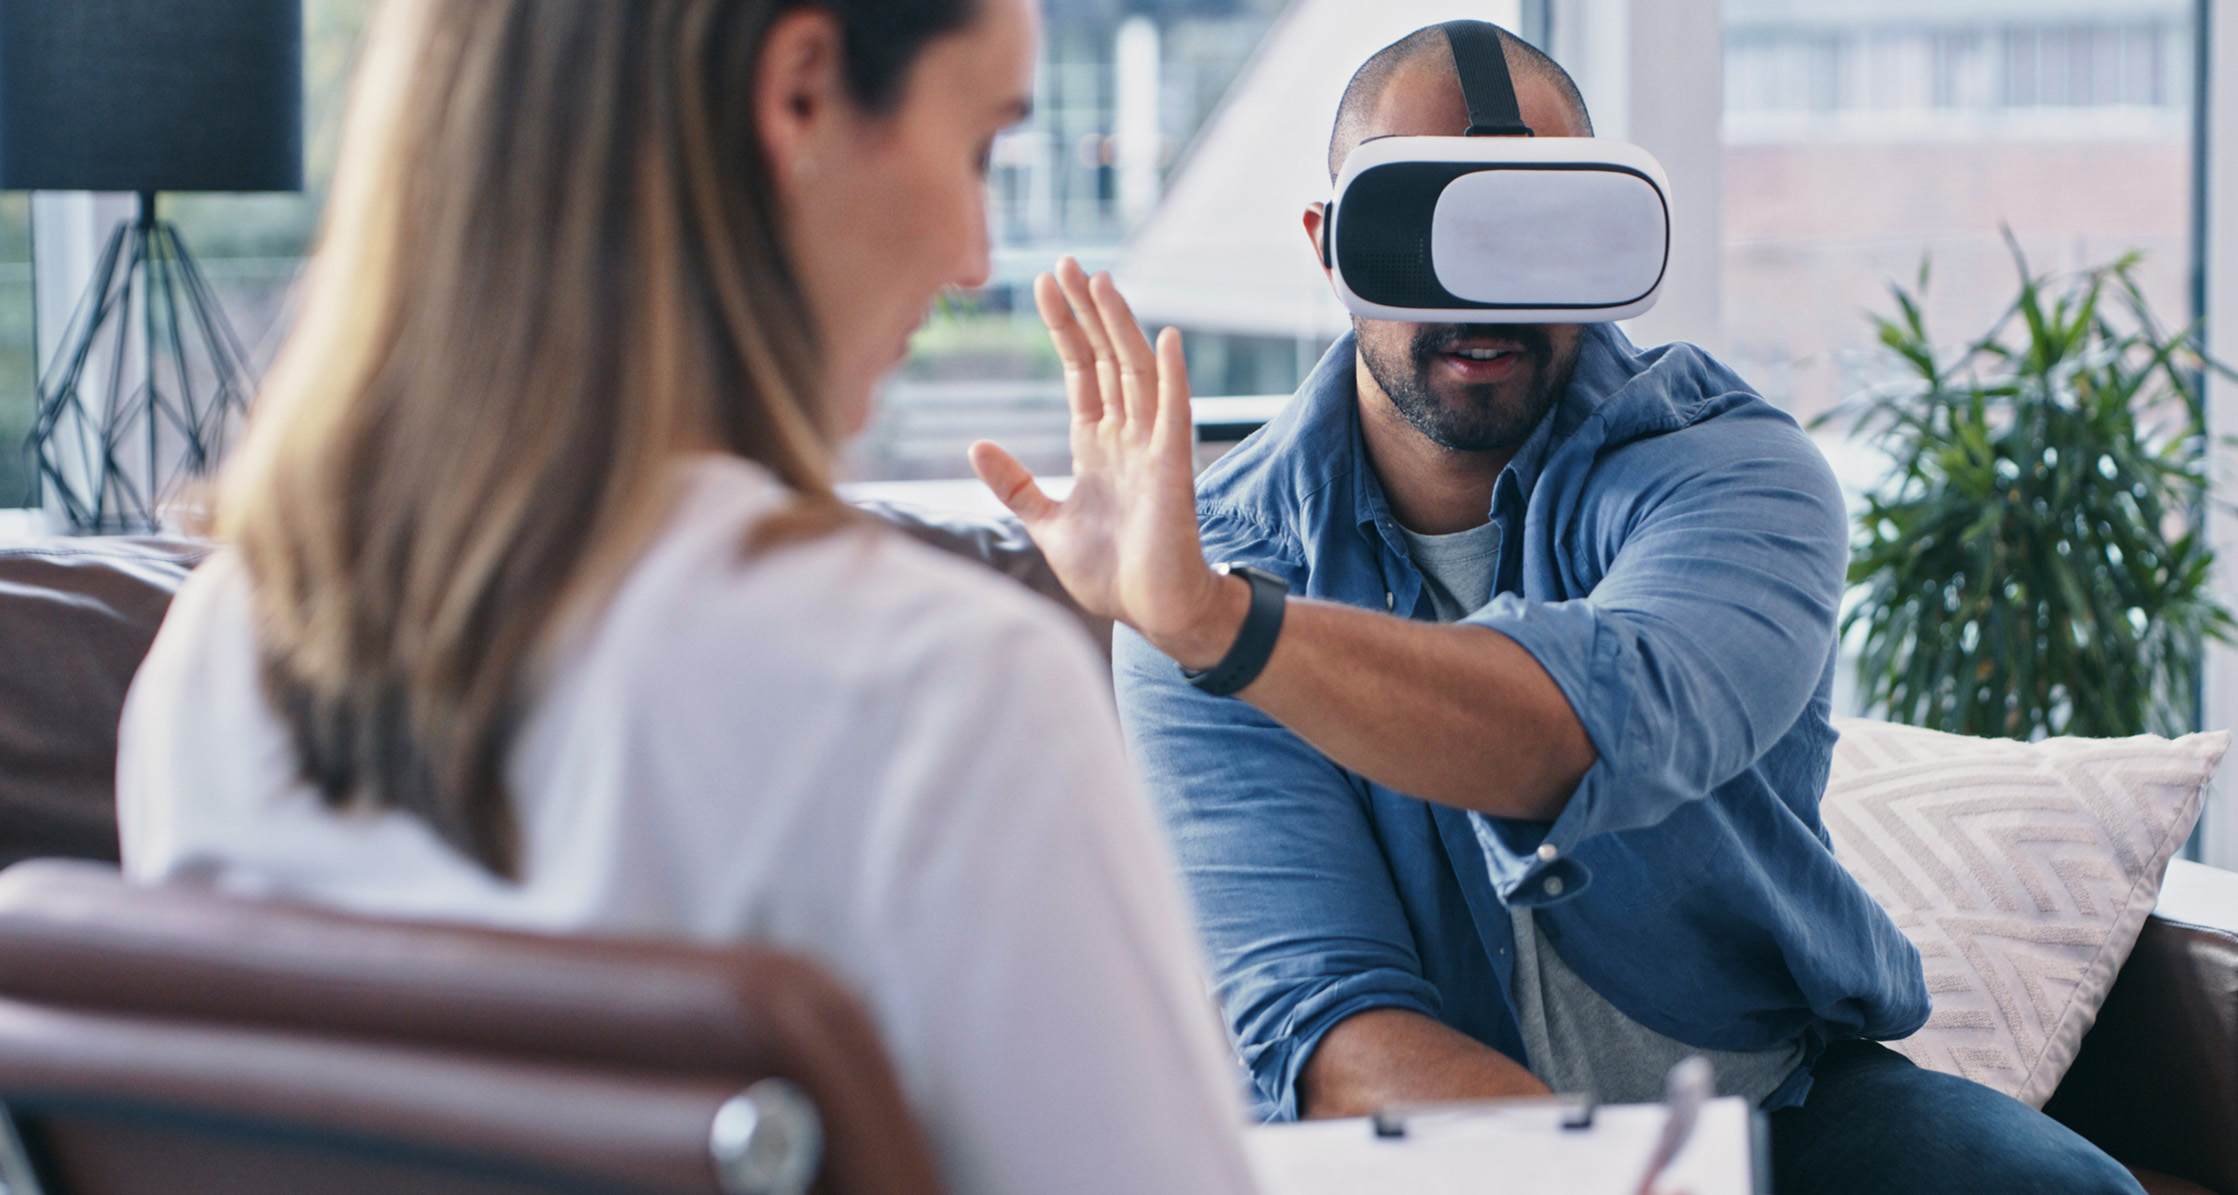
[[1553, 886], [1547, 852]]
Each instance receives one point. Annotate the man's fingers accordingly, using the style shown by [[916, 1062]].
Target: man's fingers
[[1081, 392], [1173, 394], [1011, 482], [1073, 282], [1138, 366], [1064, 327]]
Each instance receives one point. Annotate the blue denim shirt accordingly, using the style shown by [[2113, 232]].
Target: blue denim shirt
[[1672, 552]]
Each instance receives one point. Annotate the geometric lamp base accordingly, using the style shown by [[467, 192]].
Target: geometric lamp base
[[148, 385]]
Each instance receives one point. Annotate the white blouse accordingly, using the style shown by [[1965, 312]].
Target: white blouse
[[855, 749]]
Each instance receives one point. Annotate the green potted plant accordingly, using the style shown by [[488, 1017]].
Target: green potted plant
[[2034, 563]]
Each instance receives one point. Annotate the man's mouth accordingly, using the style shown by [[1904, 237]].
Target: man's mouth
[[1482, 363]]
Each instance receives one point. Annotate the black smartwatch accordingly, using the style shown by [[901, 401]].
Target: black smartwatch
[[1270, 595]]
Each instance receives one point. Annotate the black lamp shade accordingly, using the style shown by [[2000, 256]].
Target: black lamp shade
[[151, 95]]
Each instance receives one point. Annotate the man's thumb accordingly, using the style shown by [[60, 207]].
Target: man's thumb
[[1011, 482]]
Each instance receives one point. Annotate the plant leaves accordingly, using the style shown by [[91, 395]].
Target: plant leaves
[[2032, 565]]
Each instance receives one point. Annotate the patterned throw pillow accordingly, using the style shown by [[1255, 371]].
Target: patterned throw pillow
[[2022, 871]]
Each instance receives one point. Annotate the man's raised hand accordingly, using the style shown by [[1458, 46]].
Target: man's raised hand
[[1124, 542]]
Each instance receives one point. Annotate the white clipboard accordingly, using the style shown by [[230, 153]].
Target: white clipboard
[[1525, 1148]]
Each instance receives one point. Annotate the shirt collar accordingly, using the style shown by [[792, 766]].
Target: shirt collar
[[1606, 361], [1328, 423]]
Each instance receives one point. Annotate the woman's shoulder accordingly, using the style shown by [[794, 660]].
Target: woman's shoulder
[[210, 620], [875, 604]]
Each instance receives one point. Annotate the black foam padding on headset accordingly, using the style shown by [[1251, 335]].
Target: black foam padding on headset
[[1383, 250], [1486, 86], [1382, 247]]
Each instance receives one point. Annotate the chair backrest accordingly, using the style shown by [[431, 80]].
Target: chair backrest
[[179, 1040]]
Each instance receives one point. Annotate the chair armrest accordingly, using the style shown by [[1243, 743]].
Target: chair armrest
[[2156, 1081]]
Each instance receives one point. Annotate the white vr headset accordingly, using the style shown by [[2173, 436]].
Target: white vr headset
[[1497, 226]]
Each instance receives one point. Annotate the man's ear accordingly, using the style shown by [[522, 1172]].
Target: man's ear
[[798, 92], [1315, 216]]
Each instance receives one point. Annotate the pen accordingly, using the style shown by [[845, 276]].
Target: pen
[[1685, 1090]]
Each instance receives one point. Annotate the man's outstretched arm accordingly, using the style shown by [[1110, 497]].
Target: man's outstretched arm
[[1454, 714], [1386, 1056], [1701, 643]]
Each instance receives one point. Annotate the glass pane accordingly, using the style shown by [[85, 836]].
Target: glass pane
[[1874, 144], [1865, 141], [17, 409], [1122, 89]]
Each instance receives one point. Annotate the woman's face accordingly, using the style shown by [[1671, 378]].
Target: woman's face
[[885, 210]]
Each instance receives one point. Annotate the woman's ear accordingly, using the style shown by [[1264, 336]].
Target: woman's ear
[[799, 93]]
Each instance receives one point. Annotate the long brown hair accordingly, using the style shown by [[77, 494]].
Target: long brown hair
[[553, 261]]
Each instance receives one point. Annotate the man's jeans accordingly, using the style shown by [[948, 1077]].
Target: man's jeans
[[1875, 1122]]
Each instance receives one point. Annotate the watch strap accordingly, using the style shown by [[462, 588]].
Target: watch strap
[[1247, 657]]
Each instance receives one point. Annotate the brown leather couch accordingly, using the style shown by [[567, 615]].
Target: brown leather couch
[[2156, 1084]]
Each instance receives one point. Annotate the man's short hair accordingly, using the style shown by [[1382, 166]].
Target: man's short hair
[[1525, 61]]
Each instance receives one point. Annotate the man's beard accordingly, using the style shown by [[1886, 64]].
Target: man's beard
[[1475, 418]]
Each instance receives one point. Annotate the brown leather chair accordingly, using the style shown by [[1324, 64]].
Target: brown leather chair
[[177, 1040]]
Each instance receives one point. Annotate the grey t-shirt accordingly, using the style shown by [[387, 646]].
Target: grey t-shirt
[[1578, 1042]]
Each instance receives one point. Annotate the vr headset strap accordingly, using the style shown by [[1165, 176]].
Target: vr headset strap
[[1482, 63]]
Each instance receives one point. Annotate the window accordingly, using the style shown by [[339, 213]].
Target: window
[[1773, 69], [1121, 91], [1863, 142], [16, 349], [1860, 146]]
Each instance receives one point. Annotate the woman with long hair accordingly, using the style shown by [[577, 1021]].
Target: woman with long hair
[[534, 605]]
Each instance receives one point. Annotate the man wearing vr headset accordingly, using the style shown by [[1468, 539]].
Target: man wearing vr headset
[[1494, 749]]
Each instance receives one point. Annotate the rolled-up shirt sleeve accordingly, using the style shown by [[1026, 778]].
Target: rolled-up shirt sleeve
[[1703, 640], [1299, 912]]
